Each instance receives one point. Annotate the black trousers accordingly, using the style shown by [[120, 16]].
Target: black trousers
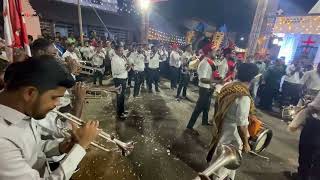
[[183, 84], [309, 151], [154, 77], [130, 77], [138, 78], [97, 76], [290, 93], [146, 75], [120, 97], [202, 106], [174, 73], [267, 96]]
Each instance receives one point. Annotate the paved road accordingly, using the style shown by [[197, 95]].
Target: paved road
[[164, 150]]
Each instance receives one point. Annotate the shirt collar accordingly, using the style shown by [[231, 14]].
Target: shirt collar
[[11, 115]]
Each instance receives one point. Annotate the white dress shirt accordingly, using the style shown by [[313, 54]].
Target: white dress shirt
[[312, 80], [154, 61], [87, 52], [163, 54], [222, 67], [186, 57], [97, 59], [147, 53], [138, 63], [23, 153], [73, 55], [175, 59], [204, 71], [292, 78], [118, 67], [133, 55]]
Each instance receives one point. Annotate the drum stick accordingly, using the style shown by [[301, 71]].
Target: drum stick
[[256, 154]]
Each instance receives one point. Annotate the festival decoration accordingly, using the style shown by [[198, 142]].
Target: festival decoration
[[14, 27], [154, 34], [297, 25], [217, 40]]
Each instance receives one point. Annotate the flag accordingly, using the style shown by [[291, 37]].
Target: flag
[[14, 27]]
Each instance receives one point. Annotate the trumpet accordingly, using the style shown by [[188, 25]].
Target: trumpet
[[99, 93], [126, 148]]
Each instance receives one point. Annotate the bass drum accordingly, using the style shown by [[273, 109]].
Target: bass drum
[[261, 140]]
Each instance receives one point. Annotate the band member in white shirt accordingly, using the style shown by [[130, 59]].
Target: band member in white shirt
[[184, 73], [87, 51], [205, 71], [131, 55], [138, 68], [98, 64], [120, 68], [175, 64], [163, 58], [33, 88], [291, 86], [70, 53], [154, 65], [311, 81], [146, 53]]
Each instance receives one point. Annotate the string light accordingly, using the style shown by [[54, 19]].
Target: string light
[[154, 34], [297, 25]]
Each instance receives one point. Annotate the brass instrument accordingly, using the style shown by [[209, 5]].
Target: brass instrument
[[126, 148], [228, 157], [99, 93]]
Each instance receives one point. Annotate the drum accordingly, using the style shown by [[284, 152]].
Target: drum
[[260, 136]]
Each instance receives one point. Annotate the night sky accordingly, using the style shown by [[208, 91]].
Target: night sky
[[237, 14]]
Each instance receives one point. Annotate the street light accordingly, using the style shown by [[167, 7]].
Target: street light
[[242, 39], [144, 5]]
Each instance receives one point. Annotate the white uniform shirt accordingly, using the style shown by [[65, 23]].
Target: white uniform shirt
[[23, 152], [154, 61], [87, 52], [138, 63], [294, 78], [163, 54], [204, 71], [147, 53], [237, 115], [97, 59], [186, 56], [110, 53], [175, 59], [132, 57], [118, 67], [312, 80], [222, 67], [73, 55]]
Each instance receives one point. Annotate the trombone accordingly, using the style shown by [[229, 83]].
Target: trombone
[[126, 148]]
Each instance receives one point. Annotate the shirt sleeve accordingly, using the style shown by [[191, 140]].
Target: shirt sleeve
[[242, 112], [13, 166]]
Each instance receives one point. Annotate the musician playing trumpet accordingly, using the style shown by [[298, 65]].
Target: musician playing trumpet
[[33, 88]]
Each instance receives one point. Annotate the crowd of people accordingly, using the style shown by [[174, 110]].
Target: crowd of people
[[33, 86]]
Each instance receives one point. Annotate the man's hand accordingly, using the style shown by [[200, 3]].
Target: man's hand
[[80, 91], [66, 145], [246, 148], [85, 134]]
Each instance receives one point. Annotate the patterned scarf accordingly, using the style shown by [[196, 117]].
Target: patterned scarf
[[224, 100]]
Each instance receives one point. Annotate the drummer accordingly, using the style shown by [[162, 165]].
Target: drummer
[[232, 109], [33, 88]]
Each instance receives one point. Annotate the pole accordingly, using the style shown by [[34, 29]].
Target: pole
[[80, 22], [256, 27]]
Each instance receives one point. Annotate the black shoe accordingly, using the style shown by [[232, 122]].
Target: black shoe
[[208, 124], [123, 116], [193, 132]]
